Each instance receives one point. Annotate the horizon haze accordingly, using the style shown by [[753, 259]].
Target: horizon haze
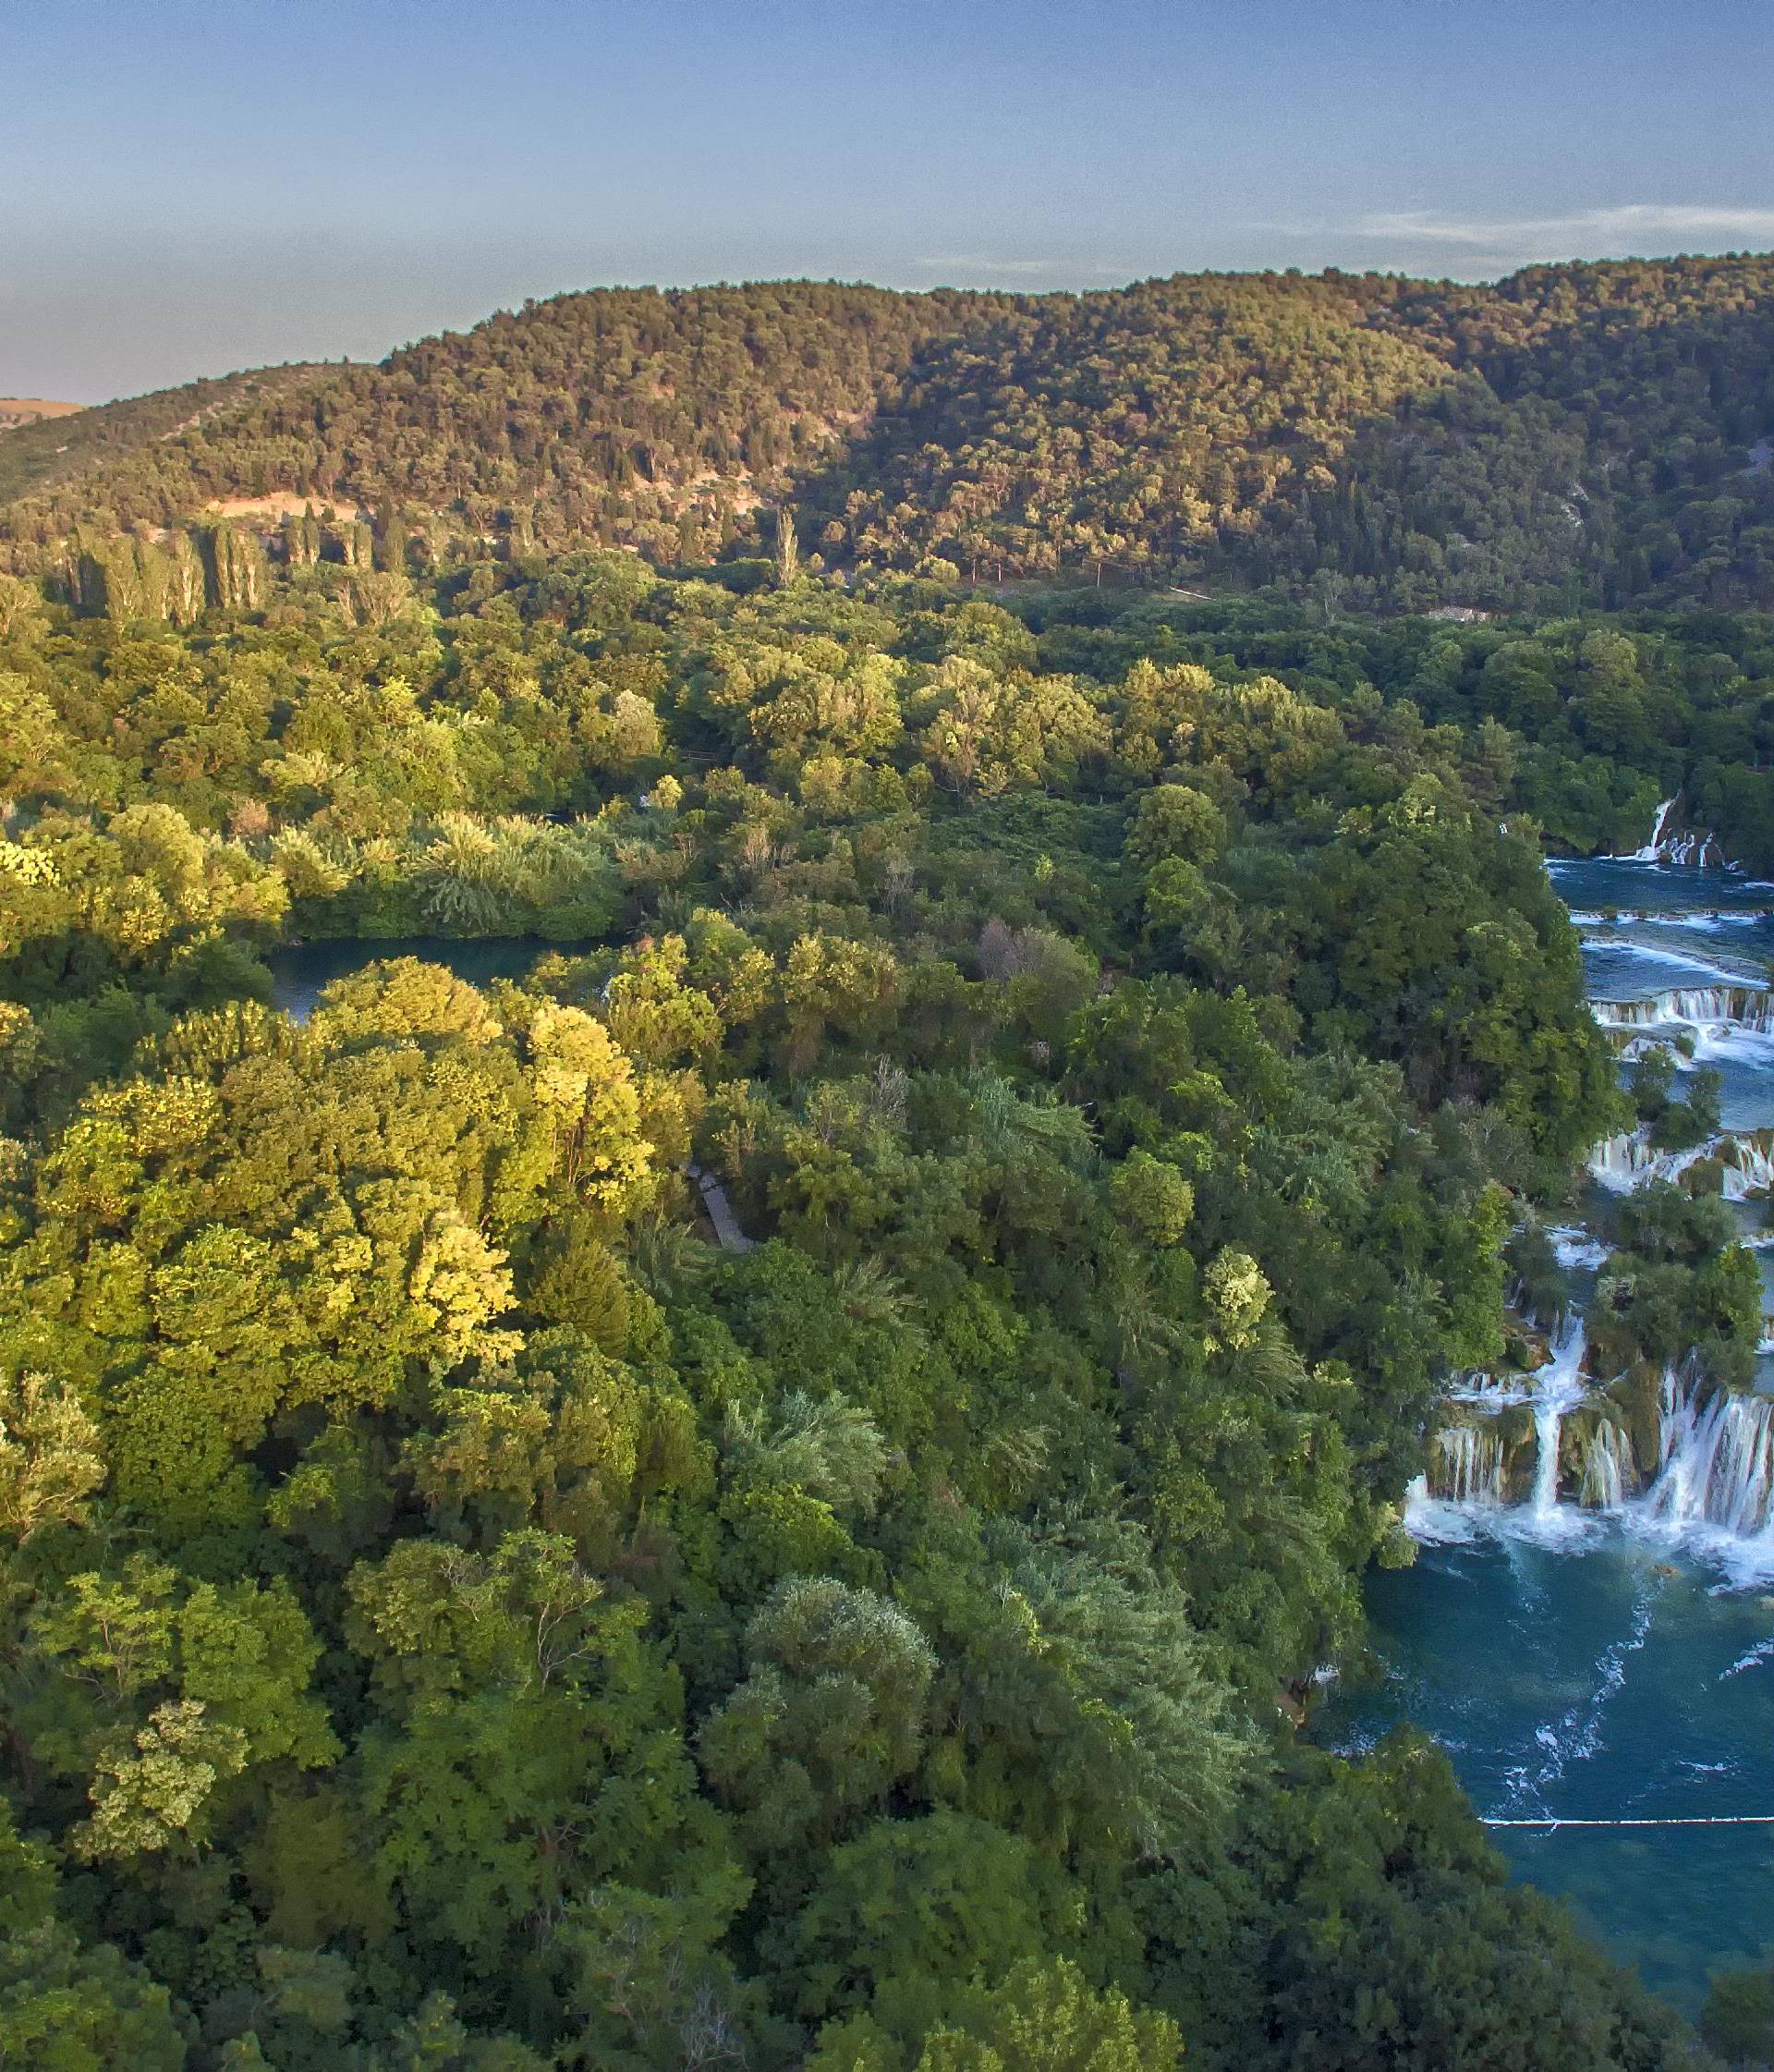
[[197, 189]]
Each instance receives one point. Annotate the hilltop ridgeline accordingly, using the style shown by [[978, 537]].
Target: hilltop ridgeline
[[48, 449], [1573, 436]]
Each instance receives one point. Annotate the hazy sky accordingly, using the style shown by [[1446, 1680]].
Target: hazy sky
[[191, 186]]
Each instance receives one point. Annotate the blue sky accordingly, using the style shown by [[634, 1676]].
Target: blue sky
[[195, 184]]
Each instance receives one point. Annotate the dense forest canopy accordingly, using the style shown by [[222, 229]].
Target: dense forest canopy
[[1571, 437], [41, 454], [456, 1611]]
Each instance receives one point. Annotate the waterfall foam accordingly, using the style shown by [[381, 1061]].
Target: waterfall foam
[[1703, 920], [1573, 1247], [1433, 1522]]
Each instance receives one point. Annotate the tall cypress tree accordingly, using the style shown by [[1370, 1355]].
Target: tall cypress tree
[[788, 550]]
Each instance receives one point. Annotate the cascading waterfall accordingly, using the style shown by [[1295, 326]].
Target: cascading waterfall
[[1691, 849], [1606, 1466], [1718, 1466], [1488, 1393], [1715, 1006], [1747, 1166], [1618, 1161], [1652, 849], [1711, 1483], [1624, 1164], [1558, 1388], [1635, 1047], [1469, 1464]]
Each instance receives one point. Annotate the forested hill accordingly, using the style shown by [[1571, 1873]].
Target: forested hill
[[48, 453], [595, 418], [1573, 436]]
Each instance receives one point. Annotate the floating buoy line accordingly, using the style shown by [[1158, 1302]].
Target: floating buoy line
[[1670, 1820]]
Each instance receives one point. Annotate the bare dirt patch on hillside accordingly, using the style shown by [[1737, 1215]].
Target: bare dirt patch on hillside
[[16, 410], [278, 505]]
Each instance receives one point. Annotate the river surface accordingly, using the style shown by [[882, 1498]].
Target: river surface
[[1612, 1679], [1615, 1660], [300, 971]]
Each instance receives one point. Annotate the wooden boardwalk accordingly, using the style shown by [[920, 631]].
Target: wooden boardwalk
[[714, 1200]]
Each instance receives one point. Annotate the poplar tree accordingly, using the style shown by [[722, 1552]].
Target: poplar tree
[[788, 550], [238, 562], [301, 540], [154, 579], [186, 589], [391, 541], [121, 579]]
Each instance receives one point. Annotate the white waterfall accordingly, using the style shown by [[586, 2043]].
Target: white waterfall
[[1621, 1164], [1693, 846], [1653, 848], [1606, 1467], [1549, 1424], [1693, 850], [1558, 1388], [1617, 1162], [1711, 1486], [1748, 1166], [1718, 1467], [1469, 1464], [1718, 1007]]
